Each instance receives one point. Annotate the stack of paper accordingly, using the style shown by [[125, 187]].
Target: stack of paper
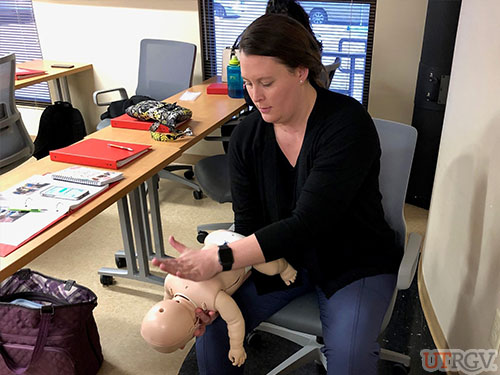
[[33, 205]]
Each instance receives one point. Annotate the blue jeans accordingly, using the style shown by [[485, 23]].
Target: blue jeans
[[351, 321]]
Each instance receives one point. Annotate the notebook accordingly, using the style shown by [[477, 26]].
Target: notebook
[[87, 176], [100, 153], [217, 88], [129, 122], [35, 204]]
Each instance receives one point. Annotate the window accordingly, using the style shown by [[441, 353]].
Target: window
[[345, 27], [19, 35]]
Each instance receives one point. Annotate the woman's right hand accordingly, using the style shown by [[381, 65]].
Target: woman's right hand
[[205, 317]]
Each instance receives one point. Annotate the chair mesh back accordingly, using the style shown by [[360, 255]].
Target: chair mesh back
[[7, 65], [16, 145], [165, 67], [397, 142]]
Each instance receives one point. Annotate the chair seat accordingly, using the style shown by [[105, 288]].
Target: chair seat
[[292, 315], [212, 173]]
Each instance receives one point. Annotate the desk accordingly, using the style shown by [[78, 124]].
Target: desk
[[57, 74], [208, 113]]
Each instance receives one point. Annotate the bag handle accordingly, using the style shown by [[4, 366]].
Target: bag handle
[[46, 313]]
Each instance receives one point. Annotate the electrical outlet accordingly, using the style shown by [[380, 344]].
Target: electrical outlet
[[495, 332]]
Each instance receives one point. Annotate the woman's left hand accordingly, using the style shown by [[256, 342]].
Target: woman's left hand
[[192, 264]]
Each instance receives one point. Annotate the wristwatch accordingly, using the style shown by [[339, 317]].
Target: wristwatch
[[226, 259]]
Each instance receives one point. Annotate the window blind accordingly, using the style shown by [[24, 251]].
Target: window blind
[[19, 35], [345, 27]]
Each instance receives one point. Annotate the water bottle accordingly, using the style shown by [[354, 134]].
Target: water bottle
[[234, 80]]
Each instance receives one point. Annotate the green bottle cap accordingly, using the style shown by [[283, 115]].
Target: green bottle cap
[[234, 61]]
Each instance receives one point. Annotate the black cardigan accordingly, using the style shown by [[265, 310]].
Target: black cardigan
[[336, 228]]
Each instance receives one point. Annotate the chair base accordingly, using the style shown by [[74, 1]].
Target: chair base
[[173, 177], [389, 355], [311, 348]]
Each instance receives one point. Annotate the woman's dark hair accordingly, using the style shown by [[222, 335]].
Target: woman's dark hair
[[285, 39], [294, 10]]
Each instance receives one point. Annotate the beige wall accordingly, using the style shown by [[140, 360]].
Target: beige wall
[[399, 29], [461, 258], [107, 34]]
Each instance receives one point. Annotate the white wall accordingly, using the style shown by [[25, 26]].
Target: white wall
[[461, 258], [106, 33]]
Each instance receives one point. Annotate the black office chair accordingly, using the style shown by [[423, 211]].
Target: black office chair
[[165, 68], [299, 320], [16, 145]]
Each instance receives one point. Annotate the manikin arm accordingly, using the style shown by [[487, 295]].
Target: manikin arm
[[230, 312], [281, 266]]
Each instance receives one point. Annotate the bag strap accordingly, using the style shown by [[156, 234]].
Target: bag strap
[[34, 296], [46, 313]]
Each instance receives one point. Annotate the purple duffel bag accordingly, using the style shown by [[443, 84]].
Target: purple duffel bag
[[47, 327]]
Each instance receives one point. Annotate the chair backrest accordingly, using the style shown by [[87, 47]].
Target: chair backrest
[[330, 70], [16, 145], [165, 67], [397, 142]]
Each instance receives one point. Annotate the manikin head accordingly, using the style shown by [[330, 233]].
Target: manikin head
[[169, 324]]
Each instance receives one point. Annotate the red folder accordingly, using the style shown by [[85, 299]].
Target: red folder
[[129, 122], [217, 88], [22, 73], [100, 153]]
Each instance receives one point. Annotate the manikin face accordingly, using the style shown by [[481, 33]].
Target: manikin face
[[272, 86]]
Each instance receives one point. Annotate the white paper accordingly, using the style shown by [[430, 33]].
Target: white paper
[[190, 96], [17, 226]]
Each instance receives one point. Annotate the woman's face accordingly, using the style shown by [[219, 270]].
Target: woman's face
[[272, 86]]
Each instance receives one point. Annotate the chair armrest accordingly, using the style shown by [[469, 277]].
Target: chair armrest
[[410, 261], [121, 90]]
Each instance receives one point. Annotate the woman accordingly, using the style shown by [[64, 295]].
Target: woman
[[304, 179]]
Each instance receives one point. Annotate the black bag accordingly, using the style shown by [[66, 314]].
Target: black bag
[[47, 327], [60, 125], [117, 108]]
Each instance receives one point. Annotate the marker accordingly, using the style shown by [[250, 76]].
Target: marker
[[27, 209], [122, 147]]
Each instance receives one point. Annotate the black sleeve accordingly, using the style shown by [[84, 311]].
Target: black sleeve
[[246, 204], [342, 158]]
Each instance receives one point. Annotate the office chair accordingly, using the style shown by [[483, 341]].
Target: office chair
[[212, 173], [16, 145], [299, 321], [330, 71], [165, 68]]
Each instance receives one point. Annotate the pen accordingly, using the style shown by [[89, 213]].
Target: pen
[[27, 209], [122, 147]]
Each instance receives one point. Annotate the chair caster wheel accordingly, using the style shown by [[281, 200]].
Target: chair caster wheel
[[106, 280], [120, 261], [197, 194], [189, 174], [201, 236]]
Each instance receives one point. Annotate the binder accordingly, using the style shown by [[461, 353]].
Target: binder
[[129, 122], [100, 153], [217, 88], [22, 73]]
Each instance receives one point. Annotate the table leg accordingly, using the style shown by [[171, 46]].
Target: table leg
[[136, 235], [62, 89]]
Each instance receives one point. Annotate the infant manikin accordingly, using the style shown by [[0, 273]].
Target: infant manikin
[[171, 323]]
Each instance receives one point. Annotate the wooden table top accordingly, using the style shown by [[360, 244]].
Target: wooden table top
[[209, 112], [52, 73]]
